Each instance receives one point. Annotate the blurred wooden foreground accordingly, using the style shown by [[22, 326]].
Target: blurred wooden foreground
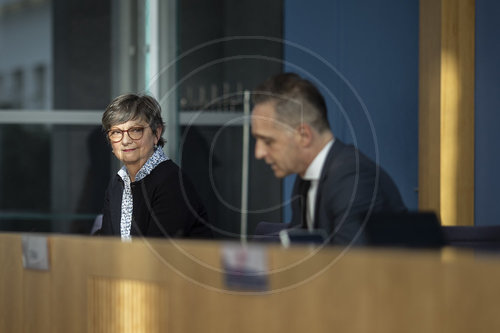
[[104, 285]]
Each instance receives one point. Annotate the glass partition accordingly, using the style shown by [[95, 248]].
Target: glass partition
[[55, 82], [61, 63], [52, 178]]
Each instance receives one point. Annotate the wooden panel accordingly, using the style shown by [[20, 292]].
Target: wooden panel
[[446, 110], [178, 287], [429, 132], [11, 284], [475, 311], [37, 303], [457, 112], [128, 306]]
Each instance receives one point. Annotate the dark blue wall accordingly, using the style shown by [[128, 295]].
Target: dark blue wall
[[487, 113], [363, 54]]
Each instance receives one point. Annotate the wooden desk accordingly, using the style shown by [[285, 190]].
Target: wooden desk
[[104, 285]]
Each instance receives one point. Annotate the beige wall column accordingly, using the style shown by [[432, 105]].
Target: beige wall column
[[446, 109]]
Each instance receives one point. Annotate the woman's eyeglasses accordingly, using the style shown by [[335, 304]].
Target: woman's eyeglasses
[[135, 133]]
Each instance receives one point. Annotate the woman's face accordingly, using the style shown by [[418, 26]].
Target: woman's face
[[133, 152]]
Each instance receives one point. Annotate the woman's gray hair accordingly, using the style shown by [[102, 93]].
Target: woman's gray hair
[[134, 106]]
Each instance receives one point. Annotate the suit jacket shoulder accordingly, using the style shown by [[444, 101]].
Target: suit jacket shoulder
[[351, 187]]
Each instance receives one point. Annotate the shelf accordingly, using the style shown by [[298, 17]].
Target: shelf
[[211, 118]]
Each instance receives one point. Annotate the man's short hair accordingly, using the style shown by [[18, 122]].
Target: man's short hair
[[296, 100]]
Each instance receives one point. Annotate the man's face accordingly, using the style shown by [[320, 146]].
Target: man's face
[[275, 141]]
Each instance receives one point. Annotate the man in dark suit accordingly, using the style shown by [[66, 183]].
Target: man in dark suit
[[337, 188]]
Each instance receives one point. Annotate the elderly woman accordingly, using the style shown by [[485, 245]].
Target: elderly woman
[[149, 196]]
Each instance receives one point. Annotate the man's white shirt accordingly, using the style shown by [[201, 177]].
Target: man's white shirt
[[313, 173]]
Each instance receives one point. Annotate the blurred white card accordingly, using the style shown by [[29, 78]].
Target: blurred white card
[[245, 267], [35, 252]]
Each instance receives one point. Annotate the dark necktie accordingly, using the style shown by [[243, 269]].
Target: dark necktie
[[303, 190]]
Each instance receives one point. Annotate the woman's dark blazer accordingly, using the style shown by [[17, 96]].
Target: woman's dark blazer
[[165, 204]]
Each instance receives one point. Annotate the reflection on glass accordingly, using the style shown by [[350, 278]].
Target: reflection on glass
[[52, 178], [26, 44], [211, 158], [64, 55]]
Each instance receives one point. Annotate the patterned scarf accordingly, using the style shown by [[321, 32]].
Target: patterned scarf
[[127, 200]]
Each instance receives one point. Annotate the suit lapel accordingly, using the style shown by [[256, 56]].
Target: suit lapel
[[334, 149], [295, 203]]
